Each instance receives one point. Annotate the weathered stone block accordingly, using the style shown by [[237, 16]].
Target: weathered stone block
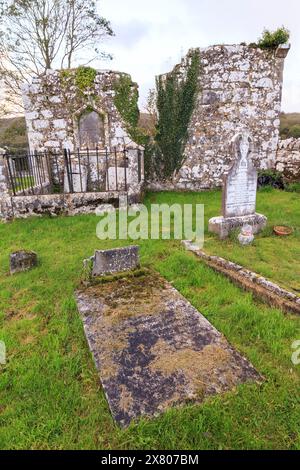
[[116, 260], [41, 124], [22, 261], [59, 123]]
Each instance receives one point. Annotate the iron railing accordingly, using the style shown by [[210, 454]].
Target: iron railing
[[98, 170]]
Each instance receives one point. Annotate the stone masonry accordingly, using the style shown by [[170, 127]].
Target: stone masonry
[[63, 113], [54, 105], [115, 260], [240, 89], [288, 159], [3, 177]]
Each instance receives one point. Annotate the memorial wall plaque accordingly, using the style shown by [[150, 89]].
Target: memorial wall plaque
[[91, 130]]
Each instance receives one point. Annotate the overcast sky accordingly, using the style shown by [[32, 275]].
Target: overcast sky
[[153, 35]]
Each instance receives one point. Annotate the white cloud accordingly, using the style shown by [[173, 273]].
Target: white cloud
[[152, 36]]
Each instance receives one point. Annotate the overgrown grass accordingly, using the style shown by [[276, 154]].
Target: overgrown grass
[[50, 395], [272, 256]]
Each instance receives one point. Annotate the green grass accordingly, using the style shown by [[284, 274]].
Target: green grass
[[24, 182], [272, 256], [50, 394]]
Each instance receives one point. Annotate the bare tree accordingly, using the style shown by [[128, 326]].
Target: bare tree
[[36, 35], [151, 109], [85, 30]]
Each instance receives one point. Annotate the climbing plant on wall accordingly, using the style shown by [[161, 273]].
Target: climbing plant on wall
[[175, 104], [126, 101], [84, 78]]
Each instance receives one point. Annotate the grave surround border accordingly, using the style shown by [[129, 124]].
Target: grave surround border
[[261, 287]]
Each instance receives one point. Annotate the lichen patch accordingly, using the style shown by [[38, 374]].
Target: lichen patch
[[153, 349]]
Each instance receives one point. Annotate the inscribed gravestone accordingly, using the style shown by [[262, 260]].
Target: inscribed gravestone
[[239, 192], [239, 195], [116, 260]]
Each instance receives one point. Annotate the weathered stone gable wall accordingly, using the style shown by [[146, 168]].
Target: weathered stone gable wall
[[288, 159], [240, 89], [54, 103]]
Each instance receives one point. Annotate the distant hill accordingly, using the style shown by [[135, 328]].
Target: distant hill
[[13, 133], [290, 125], [147, 122], [13, 130]]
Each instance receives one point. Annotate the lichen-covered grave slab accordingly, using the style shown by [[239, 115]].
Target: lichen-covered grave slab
[[153, 349]]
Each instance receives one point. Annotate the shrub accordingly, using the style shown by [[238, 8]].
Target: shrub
[[126, 101], [270, 178], [273, 39], [84, 77], [293, 187]]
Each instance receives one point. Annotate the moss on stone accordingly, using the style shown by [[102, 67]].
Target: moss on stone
[[85, 77], [129, 295]]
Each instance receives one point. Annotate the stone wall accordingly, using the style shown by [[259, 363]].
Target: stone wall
[[63, 113], [22, 207], [54, 104], [288, 159], [240, 89]]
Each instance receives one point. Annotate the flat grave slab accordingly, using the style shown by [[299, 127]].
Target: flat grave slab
[[153, 349]]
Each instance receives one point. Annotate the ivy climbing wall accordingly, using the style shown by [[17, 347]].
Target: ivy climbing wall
[[238, 88], [54, 104]]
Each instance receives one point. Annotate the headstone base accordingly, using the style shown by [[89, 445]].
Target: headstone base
[[224, 225]]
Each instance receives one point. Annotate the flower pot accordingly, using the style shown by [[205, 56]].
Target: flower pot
[[282, 231]]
